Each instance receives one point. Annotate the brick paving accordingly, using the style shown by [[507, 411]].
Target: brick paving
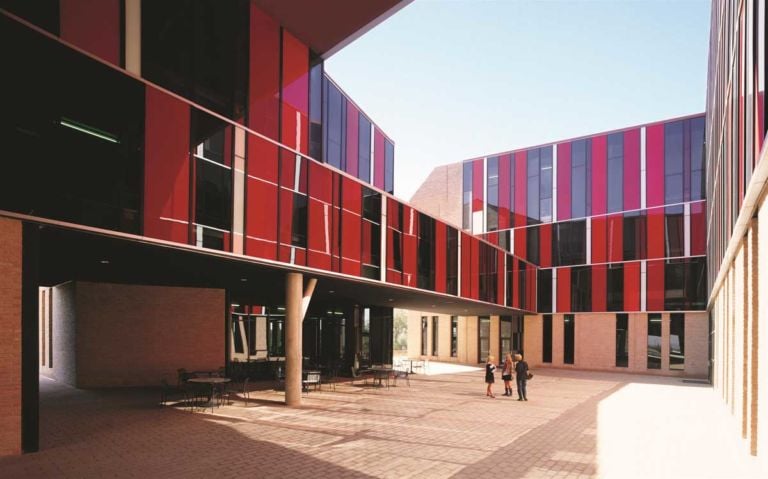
[[575, 425]]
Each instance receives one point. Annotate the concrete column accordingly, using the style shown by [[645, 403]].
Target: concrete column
[[293, 300]]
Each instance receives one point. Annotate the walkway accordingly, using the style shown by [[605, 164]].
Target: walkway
[[575, 425]]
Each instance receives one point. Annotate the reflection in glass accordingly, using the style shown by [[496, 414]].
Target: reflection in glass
[[673, 162], [615, 167], [569, 245], [454, 336], [581, 178], [423, 335], [484, 338], [364, 149], [452, 261], [435, 334], [677, 341], [654, 341], [674, 231], [466, 206], [533, 186], [492, 220], [615, 284]]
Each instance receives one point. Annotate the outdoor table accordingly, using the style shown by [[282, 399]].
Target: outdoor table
[[213, 381], [381, 373]]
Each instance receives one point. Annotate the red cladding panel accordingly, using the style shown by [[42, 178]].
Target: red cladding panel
[[521, 244], [530, 287], [505, 179], [477, 185], [598, 239], [352, 195], [615, 238], [655, 286], [93, 25], [655, 233], [410, 251], [599, 174], [500, 274], [698, 228], [563, 289], [166, 167], [545, 245], [320, 182], [440, 246], [564, 181], [521, 188], [654, 165], [353, 125], [350, 243], [261, 219], [515, 282], [262, 159], [632, 169], [632, 286], [599, 287], [319, 234], [475, 277], [466, 265], [393, 219], [264, 74], [295, 114], [378, 159], [286, 217]]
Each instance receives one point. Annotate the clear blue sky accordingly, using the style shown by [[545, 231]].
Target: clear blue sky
[[450, 80]]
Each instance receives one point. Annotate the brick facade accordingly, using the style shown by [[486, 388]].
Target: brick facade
[[440, 194], [10, 339]]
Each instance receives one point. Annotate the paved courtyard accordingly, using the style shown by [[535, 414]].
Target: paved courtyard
[[575, 425]]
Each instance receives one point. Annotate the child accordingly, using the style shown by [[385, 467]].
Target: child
[[490, 368]]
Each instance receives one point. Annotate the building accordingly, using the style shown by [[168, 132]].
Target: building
[[616, 226], [738, 216], [184, 187]]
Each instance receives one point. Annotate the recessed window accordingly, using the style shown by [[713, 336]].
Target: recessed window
[[622, 340], [654, 341], [569, 334]]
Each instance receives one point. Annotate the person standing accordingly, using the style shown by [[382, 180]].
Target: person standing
[[490, 368], [506, 374], [521, 373]]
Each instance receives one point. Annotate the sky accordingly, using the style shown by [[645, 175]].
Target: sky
[[449, 80]]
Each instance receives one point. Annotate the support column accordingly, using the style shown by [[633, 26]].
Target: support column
[[10, 339], [293, 300]]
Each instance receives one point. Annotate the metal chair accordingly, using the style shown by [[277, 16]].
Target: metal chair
[[279, 378], [312, 379]]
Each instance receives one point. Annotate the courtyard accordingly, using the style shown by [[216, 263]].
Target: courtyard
[[576, 425]]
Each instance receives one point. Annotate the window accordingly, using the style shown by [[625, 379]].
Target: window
[[492, 219], [505, 336], [634, 235], [466, 222], [685, 284], [544, 291], [569, 331], [545, 184], [299, 221], [533, 203], [532, 244], [452, 261], [371, 234], [212, 140], [546, 350], [316, 110], [364, 149], [426, 252], [654, 341], [518, 325], [615, 180], [435, 334], [335, 122], [673, 162], [698, 174], [522, 280], [424, 335], [622, 340], [276, 336], [365, 348], [673, 231], [581, 288], [581, 174], [488, 272], [677, 341], [615, 285], [569, 245], [484, 338], [454, 336], [389, 167]]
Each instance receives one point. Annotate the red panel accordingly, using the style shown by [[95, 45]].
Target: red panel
[[394, 277], [93, 25], [264, 74], [295, 113], [261, 219], [521, 188], [285, 223], [521, 244], [654, 165], [598, 239], [320, 182], [440, 246], [655, 233], [350, 243], [632, 169], [698, 228], [500, 273], [563, 181], [352, 195], [545, 245], [466, 265], [477, 185], [378, 158], [515, 283], [599, 174], [319, 234], [563, 289], [166, 167], [615, 238], [655, 286], [599, 287], [410, 244], [353, 125], [632, 286], [505, 179], [474, 279], [262, 159]]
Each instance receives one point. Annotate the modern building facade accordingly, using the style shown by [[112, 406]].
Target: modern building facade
[[184, 186], [616, 225], [738, 216]]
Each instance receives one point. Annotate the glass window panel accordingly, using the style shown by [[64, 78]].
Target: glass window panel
[[505, 336], [533, 187], [569, 334], [435, 335], [452, 261], [674, 231], [299, 221], [389, 167], [622, 340], [634, 235], [454, 336], [615, 172], [424, 326], [484, 338], [677, 341], [615, 286], [654, 341], [315, 112], [581, 288], [364, 149], [426, 253], [673, 162], [547, 339], [569, 243], [467, 196], [335, 126], [532, 244], [544, 290]]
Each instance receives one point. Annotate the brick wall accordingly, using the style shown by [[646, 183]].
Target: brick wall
[[440, 194], [10, 337], [136, 335]]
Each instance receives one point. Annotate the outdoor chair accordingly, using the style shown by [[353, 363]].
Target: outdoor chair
[[168, 392], [331, 375], [312, 379], [356, 375], [402, 374]]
